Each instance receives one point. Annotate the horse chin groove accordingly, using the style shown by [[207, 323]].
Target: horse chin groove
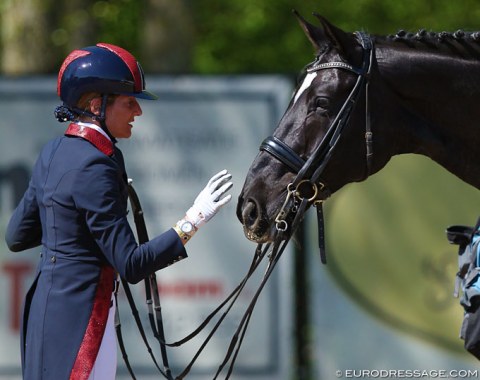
[[252, 236]]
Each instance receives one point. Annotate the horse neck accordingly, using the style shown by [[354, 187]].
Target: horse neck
[[430, 104]]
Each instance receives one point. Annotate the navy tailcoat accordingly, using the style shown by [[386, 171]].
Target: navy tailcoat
[[75, 207]]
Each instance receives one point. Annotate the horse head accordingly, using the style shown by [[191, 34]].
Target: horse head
[[295, 161], [426, 95]]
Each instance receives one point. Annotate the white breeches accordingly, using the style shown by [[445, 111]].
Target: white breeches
[[105, 366]]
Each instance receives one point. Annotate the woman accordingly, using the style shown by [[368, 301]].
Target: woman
[[76, 206]]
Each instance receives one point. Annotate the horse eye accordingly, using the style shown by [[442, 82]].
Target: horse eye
[[321, 103]]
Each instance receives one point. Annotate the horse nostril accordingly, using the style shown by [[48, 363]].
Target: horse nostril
[[250, 214]]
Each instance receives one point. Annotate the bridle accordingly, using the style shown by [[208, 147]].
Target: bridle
[[307, 189]]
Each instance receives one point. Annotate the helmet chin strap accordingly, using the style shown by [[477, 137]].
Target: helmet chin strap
[[102, 117]]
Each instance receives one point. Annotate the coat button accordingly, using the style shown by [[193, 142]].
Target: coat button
[[53, 259]]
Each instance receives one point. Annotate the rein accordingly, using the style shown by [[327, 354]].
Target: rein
[[152, 299], [273, 252], [306, 189]]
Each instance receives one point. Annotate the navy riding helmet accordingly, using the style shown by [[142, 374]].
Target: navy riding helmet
[[103, 68]]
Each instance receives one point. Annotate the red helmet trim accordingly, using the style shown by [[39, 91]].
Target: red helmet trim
[[70, 58], [130, 61]]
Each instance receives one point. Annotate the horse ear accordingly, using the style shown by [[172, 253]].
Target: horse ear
[[340, 40], [314, 34]]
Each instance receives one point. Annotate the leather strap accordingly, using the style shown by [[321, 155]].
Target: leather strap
[[321, 234], [283, 153], [151, 288]]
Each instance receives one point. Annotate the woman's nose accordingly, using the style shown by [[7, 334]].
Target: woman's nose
[[138, 110]]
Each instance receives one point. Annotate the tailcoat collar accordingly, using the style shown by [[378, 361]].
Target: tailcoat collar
[[87, 132]]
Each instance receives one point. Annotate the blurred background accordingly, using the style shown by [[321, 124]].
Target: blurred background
[[203, 36], [383, 302]]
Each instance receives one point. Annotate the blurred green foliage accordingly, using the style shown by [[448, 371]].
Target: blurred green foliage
[[115, 21], [263, 35], [238, 36], [119, 20]]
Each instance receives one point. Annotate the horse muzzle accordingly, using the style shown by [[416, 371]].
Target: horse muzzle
[[256, 225]]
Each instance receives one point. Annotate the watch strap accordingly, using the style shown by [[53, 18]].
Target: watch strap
[[184, 235]]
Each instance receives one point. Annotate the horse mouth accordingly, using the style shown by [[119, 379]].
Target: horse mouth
[[257, 237], [255, 227], [252, 236], [258, 226]]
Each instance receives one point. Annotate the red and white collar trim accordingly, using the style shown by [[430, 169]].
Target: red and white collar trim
[[92, 133], [93, 126]]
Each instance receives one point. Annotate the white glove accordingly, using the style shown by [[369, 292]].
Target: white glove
[[210, 200]]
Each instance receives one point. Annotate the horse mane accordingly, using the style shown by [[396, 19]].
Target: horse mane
[[459, 42], [439, 37]]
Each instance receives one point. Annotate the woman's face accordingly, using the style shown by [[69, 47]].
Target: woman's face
[[120, 115]]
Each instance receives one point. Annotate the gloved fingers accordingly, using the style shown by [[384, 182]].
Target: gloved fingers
[[213, 184], [223, 201], [216, 176], [217, 194], [219, 182]]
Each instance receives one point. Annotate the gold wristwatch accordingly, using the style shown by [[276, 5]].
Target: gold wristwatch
[[185, 229]]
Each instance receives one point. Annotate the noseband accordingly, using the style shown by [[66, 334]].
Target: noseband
[[305, 189]]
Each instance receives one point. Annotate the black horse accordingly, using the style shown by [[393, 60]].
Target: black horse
[[363, 100]]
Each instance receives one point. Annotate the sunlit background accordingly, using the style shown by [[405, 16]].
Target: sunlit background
[[384, 301]]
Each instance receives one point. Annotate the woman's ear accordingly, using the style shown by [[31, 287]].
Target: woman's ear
[[95, 106]]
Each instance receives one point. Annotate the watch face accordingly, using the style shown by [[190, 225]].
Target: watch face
[[186, 227]]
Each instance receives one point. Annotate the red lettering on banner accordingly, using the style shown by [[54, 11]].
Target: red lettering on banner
[[16, 271], [191, 289]]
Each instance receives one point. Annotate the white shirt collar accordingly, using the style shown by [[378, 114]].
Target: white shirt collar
[[93, 126]]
